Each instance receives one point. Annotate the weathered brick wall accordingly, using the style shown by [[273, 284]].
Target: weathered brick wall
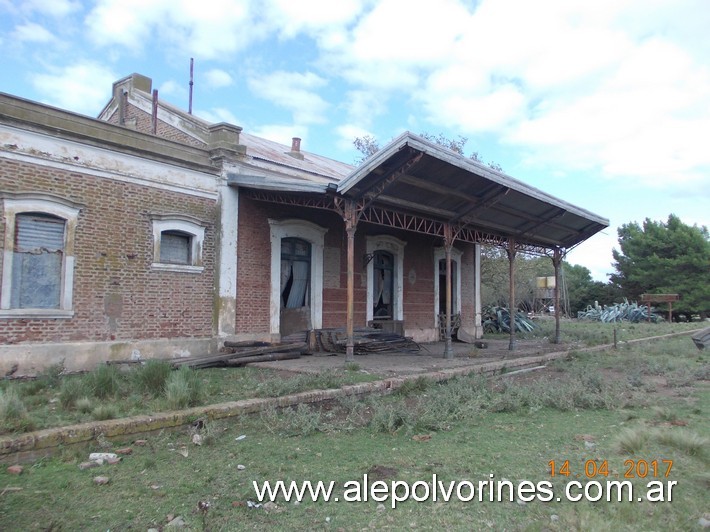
[[419, 281], [143, 123], [116, 294], [254, 268], [335, 292]]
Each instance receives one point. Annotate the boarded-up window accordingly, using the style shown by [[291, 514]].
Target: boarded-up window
[[295, 272], [175, 247], [37, 261]]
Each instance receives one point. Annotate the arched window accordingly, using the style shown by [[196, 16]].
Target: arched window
[[295, 272], [175, 247], [297, 233], [385, 277], [177, 243]]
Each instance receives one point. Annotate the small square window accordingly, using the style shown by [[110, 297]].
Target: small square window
[[177, 243], [175, 247]]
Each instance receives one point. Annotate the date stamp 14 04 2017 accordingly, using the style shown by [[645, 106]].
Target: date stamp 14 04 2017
[[600, 468]]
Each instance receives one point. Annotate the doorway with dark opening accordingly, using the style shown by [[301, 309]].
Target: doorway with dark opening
[[295, 286], [383, 284]]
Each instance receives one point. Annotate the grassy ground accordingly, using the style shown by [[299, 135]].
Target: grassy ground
[[108, 392], [643, 402], [587, 333]]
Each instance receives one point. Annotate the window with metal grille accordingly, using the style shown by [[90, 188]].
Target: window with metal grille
[[175, 247], [37, 261]]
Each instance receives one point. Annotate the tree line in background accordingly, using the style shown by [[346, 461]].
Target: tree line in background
[[654, 257], [577, 288], [368, 145]]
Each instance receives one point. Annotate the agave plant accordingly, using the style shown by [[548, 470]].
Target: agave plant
[[625, 311], [497, 319]]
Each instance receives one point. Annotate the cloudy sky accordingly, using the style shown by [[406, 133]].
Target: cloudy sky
[[604, 103]]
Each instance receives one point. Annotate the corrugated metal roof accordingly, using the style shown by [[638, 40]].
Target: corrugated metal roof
[[447, 186], [269, 155], [417, 176]]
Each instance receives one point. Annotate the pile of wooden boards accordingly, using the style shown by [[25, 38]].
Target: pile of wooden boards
[[242, 353], [365, 340]]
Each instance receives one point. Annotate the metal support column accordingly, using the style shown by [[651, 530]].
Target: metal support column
[[557, 263], [448, 244], [351, 219], [511, 251]]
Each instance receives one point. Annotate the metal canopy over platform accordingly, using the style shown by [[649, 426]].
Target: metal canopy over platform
[[414, 175], [419, 186]]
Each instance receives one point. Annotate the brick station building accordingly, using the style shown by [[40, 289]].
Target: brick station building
[[148, 232]]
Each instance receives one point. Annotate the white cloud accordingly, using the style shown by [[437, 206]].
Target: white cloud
[[595, 254], [53, 8], [208, 29], [347, 133], [217, 78], [173, 91], [389, 46], [215, 115], [282, 134], [82, 87], [34, 33], [645, 121], [363, 107], [574, 87], [394, 32], [294, 91], [311, 16], [171, 87], [126, 23]]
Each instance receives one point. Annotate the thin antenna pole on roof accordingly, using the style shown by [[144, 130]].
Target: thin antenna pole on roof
[[192, 62]]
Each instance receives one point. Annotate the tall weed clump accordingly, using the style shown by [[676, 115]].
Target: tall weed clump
[[72, 389], [105, 381], [13, 413], [184, 388], [152, 377]]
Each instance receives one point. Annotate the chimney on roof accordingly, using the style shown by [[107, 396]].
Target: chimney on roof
[[295, 149]]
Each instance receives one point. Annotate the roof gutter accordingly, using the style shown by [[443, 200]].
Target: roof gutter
[[265, 183]]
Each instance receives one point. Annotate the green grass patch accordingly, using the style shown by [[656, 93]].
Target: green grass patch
[[170, 476], [143, 390]]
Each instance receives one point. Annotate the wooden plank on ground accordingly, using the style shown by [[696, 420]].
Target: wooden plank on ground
[[229, 343], [263, 358], [203, 361]]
